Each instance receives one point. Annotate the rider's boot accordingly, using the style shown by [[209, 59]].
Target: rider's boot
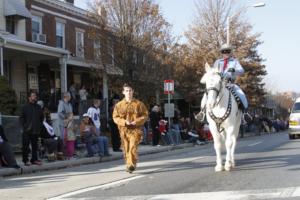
[[201, 115]]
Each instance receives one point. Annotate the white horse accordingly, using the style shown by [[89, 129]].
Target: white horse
[[223, 116]]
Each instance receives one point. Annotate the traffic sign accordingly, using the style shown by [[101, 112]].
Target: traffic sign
[[169, 86], [169, 110]]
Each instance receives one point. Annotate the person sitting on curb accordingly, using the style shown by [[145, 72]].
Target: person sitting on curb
[[165, 135], [53, 143], [7, 157], [90, 138], [175, 131]]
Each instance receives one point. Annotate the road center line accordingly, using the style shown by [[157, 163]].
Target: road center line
[[251, 145], [104, 186]]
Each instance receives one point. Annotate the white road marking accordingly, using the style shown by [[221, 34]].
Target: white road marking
[[251, 145], [278, 193], [104, 187]]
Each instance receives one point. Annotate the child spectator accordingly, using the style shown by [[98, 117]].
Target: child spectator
[[163, 131], [69, 135]]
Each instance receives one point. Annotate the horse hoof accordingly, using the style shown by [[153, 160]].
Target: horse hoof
[[219, 168], [232, 164], [228, 166]]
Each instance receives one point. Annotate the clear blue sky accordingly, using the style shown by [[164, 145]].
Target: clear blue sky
[[279, 23]]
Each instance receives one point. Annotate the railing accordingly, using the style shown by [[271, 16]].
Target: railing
[[12, 130]]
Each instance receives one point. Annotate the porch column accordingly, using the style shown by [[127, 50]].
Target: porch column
[[2, 43], [1, 61], [63, 74], [105, 93], [157, 99]]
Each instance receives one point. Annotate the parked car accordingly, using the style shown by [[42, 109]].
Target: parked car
[[294, 120]]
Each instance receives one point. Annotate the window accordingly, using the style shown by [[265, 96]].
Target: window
[[36, 24], [11, 24], [296, 108], [97, 49], [60, 35], [80, 44]]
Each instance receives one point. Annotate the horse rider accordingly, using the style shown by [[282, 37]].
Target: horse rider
[[230, 68]]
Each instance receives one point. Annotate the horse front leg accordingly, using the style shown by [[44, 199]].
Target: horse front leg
[[218, 148], [230, 149], [233, 151]]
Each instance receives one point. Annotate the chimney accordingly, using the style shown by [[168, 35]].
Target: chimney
[[70, 1]]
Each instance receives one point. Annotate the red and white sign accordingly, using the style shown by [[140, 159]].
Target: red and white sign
[[169, 86]]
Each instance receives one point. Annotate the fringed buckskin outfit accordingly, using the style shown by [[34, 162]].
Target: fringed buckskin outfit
[[131, 135]]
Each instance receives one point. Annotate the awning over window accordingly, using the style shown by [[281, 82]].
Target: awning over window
[[16, 8]]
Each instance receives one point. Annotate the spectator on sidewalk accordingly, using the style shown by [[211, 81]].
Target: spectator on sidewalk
[[73, 93], [7, 157], [185, 125], [66, 124], [145, 133], [175, 131], [94, 143], [114, 131], [115, 136], [83, 100], [194, 137], [163, 130], [52, 143], [130, 115], [154, 119], [31, 120], [64, 112], [70, 135], [94, 113]]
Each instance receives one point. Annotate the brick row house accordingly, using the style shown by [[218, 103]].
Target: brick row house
[[45, 46]]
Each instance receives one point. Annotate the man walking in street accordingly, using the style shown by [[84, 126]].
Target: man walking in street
[[130, 115], [31, 120]]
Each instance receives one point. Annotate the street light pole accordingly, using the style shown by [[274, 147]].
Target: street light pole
[[257, 5]]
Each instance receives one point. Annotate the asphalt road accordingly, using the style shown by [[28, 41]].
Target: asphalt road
[[268, 167]]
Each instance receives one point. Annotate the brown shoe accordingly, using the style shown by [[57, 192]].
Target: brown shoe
[[130, 169], [60, 156]]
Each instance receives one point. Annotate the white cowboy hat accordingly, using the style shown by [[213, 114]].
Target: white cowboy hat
[[226, 47]]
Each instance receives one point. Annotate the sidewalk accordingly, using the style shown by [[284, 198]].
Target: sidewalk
[[143, 150]]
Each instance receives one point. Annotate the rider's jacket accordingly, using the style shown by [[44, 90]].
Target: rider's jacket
[[231, 63]]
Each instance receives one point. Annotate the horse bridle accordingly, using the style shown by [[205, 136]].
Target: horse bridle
[[214, 88]]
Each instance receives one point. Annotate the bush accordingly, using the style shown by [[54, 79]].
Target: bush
[[8, 98]]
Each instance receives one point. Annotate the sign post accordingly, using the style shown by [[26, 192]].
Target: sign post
[[169, 109]]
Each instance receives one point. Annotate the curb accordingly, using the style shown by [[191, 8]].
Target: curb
[[47, 166]]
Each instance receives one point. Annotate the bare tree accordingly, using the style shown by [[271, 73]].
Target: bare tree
[[140, 38], [208, 32]]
